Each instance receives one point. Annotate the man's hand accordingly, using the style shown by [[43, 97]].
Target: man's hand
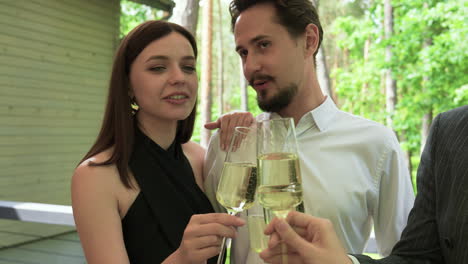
[[227, 123], [310, 240]]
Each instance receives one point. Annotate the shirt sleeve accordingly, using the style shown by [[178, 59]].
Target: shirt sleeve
[[396, 197], [212, 168]]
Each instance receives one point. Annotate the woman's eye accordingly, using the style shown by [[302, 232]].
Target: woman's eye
[[157, 68], [189, 69]]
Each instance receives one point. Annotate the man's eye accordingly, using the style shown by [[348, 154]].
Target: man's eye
[[264, 44], [243, 53]]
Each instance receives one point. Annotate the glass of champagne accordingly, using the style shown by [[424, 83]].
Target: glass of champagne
[[238, 183], [256, 223], [279, 175]]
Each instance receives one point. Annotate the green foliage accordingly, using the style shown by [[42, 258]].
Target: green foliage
[[133, 14], [429, 62], [429, 59]]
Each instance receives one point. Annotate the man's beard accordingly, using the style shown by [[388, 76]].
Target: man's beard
[[279, 101]]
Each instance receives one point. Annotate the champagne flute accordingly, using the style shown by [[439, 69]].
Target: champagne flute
[[238, 183], [279, 175], [257, 219]]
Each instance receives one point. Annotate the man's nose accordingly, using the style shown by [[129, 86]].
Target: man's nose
[[251, 65]]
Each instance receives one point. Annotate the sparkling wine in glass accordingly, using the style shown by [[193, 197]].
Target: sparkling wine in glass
[[256, 224], [279, 175], [238, 183]]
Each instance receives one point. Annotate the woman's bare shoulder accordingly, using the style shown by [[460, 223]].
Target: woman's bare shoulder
[[88, 173]]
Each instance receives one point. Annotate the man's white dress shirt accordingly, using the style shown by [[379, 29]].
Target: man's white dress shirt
[[353, 173]]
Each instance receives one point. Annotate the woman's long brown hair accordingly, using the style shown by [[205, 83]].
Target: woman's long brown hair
[[117, 128]]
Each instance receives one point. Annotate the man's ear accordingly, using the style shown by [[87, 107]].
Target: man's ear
[[311, 39]]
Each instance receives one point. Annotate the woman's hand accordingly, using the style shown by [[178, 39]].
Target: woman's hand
[[202, 237]]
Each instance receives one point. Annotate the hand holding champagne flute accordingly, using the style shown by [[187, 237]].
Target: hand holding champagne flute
[[279, 175], [236, 188]]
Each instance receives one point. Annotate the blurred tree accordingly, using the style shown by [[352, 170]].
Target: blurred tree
[[429, 61], [390, 82], [220, 60], [132, 14], [206, 65], [185, 13], [322, 67]]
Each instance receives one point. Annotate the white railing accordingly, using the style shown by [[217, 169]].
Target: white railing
[[37, 212]]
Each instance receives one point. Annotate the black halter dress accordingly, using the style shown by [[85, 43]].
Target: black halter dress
[[154, 224]]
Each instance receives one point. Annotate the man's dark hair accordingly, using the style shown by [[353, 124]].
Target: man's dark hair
[[294, 15]]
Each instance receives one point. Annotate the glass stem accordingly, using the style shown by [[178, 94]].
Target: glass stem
[[284, 247], [226, 243], [284, 253]]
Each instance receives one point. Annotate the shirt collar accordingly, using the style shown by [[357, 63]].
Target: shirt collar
[[324, 114], [319, 117]]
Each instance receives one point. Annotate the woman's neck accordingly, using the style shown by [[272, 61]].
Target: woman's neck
[[162, 132]]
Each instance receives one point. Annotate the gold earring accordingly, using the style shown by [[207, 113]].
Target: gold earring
[[134, 106]]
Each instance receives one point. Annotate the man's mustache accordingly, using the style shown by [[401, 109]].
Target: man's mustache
[[260, 77]]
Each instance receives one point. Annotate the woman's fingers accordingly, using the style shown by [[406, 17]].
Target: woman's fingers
[[214, 229], [206, 242], [221, 218], [196, 255], [204, 233], [217, 224]]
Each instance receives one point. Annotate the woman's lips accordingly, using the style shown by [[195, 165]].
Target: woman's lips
[[176, 98]]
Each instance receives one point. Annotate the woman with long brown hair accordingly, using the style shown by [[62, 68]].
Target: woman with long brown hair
[[137, 194]]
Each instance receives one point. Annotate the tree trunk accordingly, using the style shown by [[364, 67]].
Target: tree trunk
[[346, 58], [365, 86], [185, 13], [336, 65], [243, 86], [407, 157], [390, 83], [426, 124], [205, 84], [427, 117], [323, 74], [410, 166], [220, 61]]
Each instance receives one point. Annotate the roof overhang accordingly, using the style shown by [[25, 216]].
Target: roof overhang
[[166, 5]]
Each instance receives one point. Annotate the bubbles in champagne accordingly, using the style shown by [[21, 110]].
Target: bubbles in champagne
[[280, 186], [236, 189], [256, 225], [280, 197]]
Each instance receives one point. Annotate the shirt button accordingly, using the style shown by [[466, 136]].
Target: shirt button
[[448, 243]]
